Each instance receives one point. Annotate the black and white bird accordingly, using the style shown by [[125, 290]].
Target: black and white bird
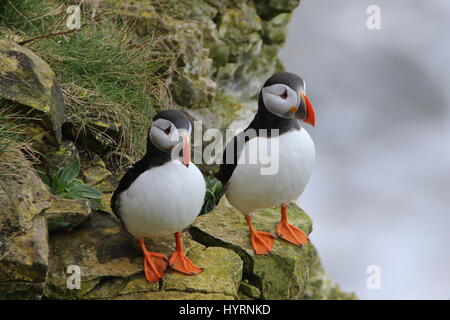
[[282, 102], [162, 193]]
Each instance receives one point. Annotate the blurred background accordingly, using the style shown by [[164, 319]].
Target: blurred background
[[380, 193]]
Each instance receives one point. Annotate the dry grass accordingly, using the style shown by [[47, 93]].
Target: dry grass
[[11, 141]]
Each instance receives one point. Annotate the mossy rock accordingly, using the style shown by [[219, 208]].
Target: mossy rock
[[58, 156], [66, 214], [280, 275], [239, 28], [275, 30], [100, 248], [23, 232], [27, 79], [222, 273], [267, 9], [111, 266]]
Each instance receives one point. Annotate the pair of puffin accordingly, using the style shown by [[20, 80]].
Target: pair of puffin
[[163, 193]]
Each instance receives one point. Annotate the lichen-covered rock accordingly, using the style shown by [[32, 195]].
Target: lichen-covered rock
[[100, 248], [222, 273], [240, 29], [65, 214], [282, 274], [270, 8], [275, 30], [289, 272], [40, 137], [95, 174], [58, 156], [249, 290], [23, 232], [27, 79], [192, 85], [111, 266]]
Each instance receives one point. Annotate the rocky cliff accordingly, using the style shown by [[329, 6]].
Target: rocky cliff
[[86, 98]]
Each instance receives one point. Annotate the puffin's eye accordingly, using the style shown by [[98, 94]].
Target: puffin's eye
[[167, 131], [284, 95]]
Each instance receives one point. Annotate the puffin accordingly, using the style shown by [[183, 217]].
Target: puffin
[[162, 193], [282, 106]]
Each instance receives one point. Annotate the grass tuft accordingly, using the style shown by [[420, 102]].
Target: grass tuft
[[111, 78]]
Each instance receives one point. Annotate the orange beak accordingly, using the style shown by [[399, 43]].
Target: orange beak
[[310, 116], [186, 151]]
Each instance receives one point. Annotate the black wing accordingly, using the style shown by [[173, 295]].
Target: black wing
[[130, 176], [229, 161]]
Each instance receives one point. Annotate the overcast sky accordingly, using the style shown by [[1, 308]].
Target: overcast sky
[[380, 192]]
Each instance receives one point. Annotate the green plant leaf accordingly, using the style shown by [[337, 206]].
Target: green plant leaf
[[214, 191], [44, 177], [80, 189], [71, 195], [69, 172], [57, 185]]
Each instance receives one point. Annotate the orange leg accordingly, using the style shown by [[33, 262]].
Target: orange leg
[[289, 232], [179, 262], [154, 263], [262, 242]]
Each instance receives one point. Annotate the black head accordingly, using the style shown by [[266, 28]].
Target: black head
[[284, 95], [178, 119], [293, 81], [170, 132]]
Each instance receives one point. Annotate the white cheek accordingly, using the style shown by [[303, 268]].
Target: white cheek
[[160, 139], [275, 104], [278, 105]]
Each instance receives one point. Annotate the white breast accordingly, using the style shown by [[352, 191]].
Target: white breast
[[163, 200], [249, 190]]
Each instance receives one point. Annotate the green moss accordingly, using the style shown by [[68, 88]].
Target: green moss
[[222, 273], [280, 275], [227, 106]]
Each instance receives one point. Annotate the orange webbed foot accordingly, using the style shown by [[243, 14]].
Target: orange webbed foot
[[289, 232], [292, 234], [180, 262], [262, 242], [154, 264]]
